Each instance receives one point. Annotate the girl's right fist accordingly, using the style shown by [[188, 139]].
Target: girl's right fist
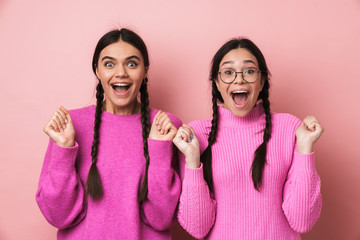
[[187, 142], [61, 129]]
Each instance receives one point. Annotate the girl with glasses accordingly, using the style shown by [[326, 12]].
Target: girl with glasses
[[247, 173], [108, 170]]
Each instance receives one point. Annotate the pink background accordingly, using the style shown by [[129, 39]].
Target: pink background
[[312, 49]]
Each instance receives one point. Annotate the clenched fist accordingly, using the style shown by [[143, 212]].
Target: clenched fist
[[61, 129], [307, 134]]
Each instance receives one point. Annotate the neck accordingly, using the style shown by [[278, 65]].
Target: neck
[[133, 108]]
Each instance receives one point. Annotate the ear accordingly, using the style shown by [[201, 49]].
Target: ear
[[262, 83], [216, 80], [146, 71], [97, 73]]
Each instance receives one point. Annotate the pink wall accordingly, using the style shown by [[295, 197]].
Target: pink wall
[[312, 48]]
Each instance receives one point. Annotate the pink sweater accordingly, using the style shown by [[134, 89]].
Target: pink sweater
[[121, 164], [289, 201]]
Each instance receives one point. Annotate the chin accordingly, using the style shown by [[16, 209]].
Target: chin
[[240, 113]]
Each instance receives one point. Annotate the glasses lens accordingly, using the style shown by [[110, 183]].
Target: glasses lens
[[250, 74], [227, 75]]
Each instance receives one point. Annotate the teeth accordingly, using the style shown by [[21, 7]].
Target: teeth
[[121, 84], [240, 92]]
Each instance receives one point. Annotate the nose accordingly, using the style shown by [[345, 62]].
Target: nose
[[121, 72], [239, 78]]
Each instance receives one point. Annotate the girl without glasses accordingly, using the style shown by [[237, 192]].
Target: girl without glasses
[[106, 173], [256, 176]]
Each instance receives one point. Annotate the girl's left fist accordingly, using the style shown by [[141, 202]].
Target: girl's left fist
[[307, 134], [162, 127]]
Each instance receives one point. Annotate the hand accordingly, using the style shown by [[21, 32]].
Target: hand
[[61, 129], [187, 142], [307, 134], [162, 127]]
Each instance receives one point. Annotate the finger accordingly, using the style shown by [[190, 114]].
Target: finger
[[54, 125], [189, 129], [57, 122], [185, 134], [61, 118], [157, 116], [67, 114], [170, 127], [312, 126], [61, 114], [48, 127], [161, 118], [166, 126], [318, 127]]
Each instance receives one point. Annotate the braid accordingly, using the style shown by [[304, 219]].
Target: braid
[[93, 182], [258, 164], [206, 156], [145, 123]]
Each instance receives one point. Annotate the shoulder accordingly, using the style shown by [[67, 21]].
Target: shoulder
[[83, 115], [201, 126], [176, 121], [202, 130], [82, 111], [285, 121]]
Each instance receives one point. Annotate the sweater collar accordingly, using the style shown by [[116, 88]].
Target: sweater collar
[[255, 117], [106, 116]]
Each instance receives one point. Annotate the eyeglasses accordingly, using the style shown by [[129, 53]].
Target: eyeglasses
[[250, 75]]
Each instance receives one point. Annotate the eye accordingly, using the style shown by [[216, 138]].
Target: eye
[[132, 64], [249, 71], [109, 64], [228, 72]]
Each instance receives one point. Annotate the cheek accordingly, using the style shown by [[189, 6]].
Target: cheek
[[223, 89], [257, 90]]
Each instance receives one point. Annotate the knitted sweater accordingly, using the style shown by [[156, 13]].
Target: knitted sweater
[[61, 193], [289, 200]]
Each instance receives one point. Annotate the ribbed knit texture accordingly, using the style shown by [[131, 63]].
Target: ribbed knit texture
[[121, 164], [289, 200]]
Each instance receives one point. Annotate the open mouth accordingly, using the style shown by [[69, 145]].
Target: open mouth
[[240, 97], [121, 87]]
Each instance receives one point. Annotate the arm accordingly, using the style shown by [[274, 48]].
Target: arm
[[163, 181], [302, 198], [196, 206], [60, 194], [164, 186]]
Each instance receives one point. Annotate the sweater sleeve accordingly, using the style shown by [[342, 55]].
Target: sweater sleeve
[[60, 194], [164, 186], [301, 197], [197, 208]]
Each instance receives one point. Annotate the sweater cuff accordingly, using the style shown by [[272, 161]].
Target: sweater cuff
[[159, 151], [63, 158], [194, 176], [305, 162]]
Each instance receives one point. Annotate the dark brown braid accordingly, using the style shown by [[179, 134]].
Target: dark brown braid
[[145, 123], [93, 182], [206, 156], [257, 167]]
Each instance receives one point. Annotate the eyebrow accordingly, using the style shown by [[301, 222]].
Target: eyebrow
[[128, 58], [231, 62]]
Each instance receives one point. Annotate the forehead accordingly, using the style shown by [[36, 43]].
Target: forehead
[[238, 57], [120, 50]]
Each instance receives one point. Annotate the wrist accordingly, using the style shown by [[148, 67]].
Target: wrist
[[67, 144], [192, 162], [304, 149]]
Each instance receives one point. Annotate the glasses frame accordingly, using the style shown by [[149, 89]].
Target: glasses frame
[[242, 74]]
